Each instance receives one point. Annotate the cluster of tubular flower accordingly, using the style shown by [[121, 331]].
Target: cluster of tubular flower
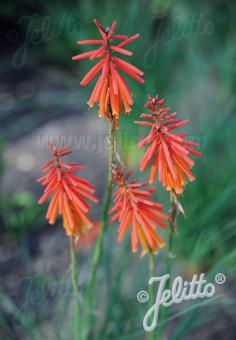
[[111, 91], [134, 208], [68, 193], [168, 152]]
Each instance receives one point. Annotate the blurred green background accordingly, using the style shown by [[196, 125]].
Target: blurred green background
[[187, 50]]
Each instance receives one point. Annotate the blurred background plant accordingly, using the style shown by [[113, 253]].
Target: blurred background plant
[[187, 51]]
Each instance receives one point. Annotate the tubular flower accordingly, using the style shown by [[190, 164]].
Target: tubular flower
[[111, 91], [67, 192], [134, 208], [169, 152]]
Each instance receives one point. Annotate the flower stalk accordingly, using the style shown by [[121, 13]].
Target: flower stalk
[[151, 287], [175, 207], [99, 244], [74, 275], [173, 213]]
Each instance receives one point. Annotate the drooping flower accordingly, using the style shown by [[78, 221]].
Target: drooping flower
[[168, 152], [134, 208], [68, 193], [111, 91]]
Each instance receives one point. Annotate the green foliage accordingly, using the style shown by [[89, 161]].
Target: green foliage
[[21, 213], [195, 70], [1, 150]]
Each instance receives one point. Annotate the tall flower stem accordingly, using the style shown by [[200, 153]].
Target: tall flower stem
[[74, 274], [172, 232], [151, 287], [173, 213], [99, 244]]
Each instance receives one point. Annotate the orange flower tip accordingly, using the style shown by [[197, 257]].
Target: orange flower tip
[[90, 105], [144, 252], [178, 191], [122, 95], [115, 114]]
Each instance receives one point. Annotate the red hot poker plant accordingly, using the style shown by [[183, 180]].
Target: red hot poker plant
[[134, 208], [113, 96], [111, 91], [169, 152], [68, 193]]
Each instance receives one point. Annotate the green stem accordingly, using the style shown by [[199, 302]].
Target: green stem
[[151, 288], [170, 256], [99, 244], [169, 259], [74, 274], [151, 274]]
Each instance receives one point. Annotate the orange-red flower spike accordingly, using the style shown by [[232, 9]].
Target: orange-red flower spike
[[111, 91], [68, 193], [134, 208], [168, 152]]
